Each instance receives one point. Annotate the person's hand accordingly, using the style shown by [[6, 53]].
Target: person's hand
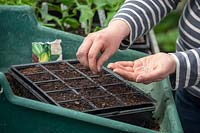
[[105, 41], [145, 70]]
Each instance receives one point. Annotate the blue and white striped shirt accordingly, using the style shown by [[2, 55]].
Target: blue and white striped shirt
[[143, 15]]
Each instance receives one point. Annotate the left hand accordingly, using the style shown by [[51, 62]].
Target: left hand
[[145, 70]]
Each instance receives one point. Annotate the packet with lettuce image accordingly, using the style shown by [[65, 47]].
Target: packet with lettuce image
[[46, 51]]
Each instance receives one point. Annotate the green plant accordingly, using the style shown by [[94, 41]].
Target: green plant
[[87, 10], [112, 6], [167, 32], [64, 17], [19, 2], [167, 40], [74, 13]]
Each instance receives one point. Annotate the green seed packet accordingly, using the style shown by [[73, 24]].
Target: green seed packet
[[46, 51]]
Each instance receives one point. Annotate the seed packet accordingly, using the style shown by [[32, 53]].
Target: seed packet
[[46, 51]]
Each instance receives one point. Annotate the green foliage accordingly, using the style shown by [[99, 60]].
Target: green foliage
[[167, 40], [18, 2], [112, 6], [65, 16], [87, 13], [167, 32], [170, 22], [75, 13]]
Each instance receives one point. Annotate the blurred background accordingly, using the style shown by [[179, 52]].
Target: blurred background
[[85, 16]]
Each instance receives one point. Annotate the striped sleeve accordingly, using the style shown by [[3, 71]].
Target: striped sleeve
[[188, 50], [142, 15], [187, 68]]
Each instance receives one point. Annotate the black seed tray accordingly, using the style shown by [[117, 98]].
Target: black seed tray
[[69, 84]]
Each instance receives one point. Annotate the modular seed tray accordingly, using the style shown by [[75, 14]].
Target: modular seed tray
[[71, 85]]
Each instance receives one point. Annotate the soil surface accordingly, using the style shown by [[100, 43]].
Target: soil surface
[[40, 77], [67, 74], [52, 86], [79, 66], [105, 102], [119, 89], [57, 66], [133, 99], [64, 95], [31, 69], [19, 89], [92, 92], [78, 105], [104, 80], [79, 83]]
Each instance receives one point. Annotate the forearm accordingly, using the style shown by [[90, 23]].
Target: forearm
[[142, 15]]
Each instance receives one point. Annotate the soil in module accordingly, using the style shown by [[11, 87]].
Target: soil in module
[[119, 89], [64, 95], [133, 99], [68, 73], [105, 102], [79, 83], [31, 69], [78, 105], [18, 89], [89, 73], [57, 66], [79, 66], [52, 86], [92, 92], [40, 77], [104, 80], [84, 69]]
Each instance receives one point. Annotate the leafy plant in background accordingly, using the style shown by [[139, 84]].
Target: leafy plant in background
[[167, 32], [31, 3], [166, 40], [82, 12], [112, 6], [87, 11], [64, 17], [75, 13], [88, 8]]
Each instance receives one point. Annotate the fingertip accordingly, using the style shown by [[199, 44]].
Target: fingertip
[[139, 78], [94, 72], [115, 70], [110, 65], [99, 68]]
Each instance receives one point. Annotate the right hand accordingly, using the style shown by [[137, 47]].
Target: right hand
[[105, 41]]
